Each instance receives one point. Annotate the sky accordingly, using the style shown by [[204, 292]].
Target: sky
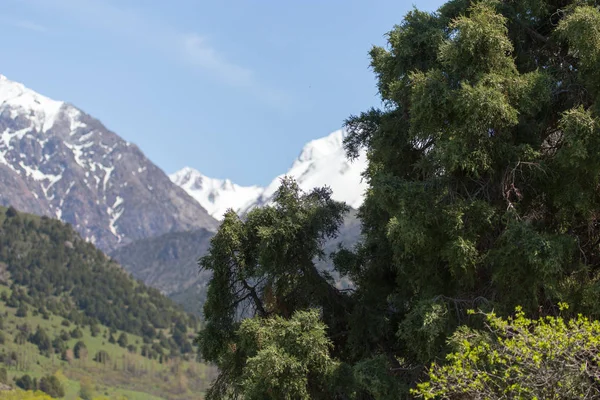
[[233, 88]]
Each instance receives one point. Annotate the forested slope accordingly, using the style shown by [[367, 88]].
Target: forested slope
[[67, 307]]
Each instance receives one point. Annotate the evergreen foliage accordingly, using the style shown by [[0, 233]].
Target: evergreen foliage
[[122, 341], [78, 281], [51, 385], [483, 193], [25, 382], [78, 349]]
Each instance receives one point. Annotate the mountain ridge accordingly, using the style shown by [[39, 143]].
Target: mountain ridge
[[58, 161], [321, 162]]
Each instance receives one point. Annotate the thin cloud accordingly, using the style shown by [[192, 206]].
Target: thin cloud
[[200, 53], [191, 49], [25, 24]]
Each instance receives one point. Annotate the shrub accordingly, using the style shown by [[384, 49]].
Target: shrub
[[520, 358]]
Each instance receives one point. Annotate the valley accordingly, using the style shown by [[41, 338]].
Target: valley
[[60, 162]]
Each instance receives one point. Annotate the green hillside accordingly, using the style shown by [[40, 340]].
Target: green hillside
[[67, 310]]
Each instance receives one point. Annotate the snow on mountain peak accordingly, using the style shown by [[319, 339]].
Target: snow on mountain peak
[[322, 162], [21, 100], [215, 195], [323, 147]]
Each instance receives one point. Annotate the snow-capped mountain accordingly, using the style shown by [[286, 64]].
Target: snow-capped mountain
[[322, 162], [215, 195], [55, 160]]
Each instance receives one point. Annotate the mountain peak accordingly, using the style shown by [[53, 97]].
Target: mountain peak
[[24, 101], [215, 195], [323, 147], [56, 160], [322, 162]]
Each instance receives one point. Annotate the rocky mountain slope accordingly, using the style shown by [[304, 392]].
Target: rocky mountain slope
[[322, 162], [55, 160]]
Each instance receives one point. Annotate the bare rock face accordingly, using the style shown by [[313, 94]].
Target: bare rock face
[[55, 160]]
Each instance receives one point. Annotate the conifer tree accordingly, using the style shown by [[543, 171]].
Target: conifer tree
[[484, 177]]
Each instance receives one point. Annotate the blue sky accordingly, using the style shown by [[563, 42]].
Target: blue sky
[[232, 88]]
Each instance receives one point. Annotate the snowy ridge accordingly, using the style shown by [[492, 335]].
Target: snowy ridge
[[56, 160], [322, 162], [22, 100], [215, 195]]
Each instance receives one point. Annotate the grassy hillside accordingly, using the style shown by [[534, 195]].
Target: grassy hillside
[[56, 291]]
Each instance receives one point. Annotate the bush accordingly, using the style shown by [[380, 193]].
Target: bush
[[520, 358], [86, 389]]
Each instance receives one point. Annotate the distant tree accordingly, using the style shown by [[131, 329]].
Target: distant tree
[[67, 355], [25, 382], [3, 375], [111, 339], [102, 357], [76, 333], [41, 339], [20, 338], [51, 385], [2, 338], [122, 340], [21, 311], [132, 348], [94, 330], [59, 345], [11, 212], [77, 349]]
